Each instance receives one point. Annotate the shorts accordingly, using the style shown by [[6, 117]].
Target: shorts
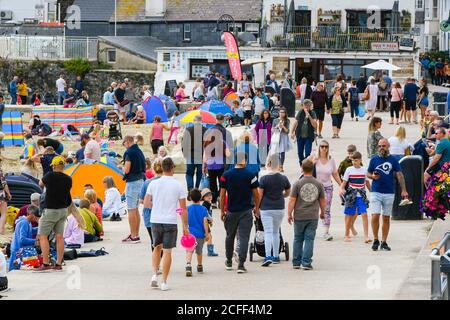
[[359, 204], [248, 114], [53, 220], [132, 191], [382, 203], [199, 247], [165, 234], [424, 102], [156, 144], [320, 113], [410, 105]]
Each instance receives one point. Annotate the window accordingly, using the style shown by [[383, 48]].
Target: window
[[434, 43], [419, 4], [187, 32], [252, 27], [238, 27], [51, 12], [111, 57], [166, 57], [435, 8]]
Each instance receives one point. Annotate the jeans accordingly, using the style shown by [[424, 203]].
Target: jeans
[[304, 146], [214, 176], [238, 222], [61, 97], [132, 190], [13, 97], [282, 157], [354, 109], [304, 234], [190, 170], [271, 220]]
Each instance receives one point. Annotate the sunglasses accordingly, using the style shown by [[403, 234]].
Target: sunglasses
[[326, 147], [382, 146]]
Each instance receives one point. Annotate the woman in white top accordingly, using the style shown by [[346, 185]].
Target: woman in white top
[[396, 102], [303, 87], [398, 143], [147, 93], [371, 97], [244, 86], [113, 200]]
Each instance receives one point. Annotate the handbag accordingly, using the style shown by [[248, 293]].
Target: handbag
[[366, 94], [204, 182]]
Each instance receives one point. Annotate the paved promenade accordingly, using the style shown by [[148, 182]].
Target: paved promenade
[[341, 270]]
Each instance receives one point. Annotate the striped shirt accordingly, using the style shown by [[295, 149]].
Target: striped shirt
[[356, 177]]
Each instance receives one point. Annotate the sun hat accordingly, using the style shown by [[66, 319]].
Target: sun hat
[[205, 192]]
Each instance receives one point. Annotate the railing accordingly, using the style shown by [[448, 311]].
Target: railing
[[47, 48], [326, 37], [439, 280]]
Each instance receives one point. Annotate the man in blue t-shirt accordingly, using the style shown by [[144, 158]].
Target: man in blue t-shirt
[[383, 169], [441, 154], [240, 185], [410, 96]]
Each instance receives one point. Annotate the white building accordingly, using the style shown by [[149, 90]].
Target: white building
[[444, 37], [19, 11]]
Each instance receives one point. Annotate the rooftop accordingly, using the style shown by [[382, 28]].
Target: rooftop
[[142, 46]]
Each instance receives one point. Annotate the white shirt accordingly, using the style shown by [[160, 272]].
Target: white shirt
[[259, 105], [2, 265], [166, 192], [93, 148], [397, 147], [61, 84], [356, 177], [112, 201]]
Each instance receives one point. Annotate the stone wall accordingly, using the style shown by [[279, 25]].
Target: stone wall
[[42, 75]]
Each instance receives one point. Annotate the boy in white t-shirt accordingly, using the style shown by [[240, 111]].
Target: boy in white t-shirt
[[356, 202], [247, 104], [163, 196]]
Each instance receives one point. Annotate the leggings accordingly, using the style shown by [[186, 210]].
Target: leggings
[[329, 197], [337, 120], [156, 143], [395, 107]]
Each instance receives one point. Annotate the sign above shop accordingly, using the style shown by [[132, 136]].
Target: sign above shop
[[384, 46], [407, 44]]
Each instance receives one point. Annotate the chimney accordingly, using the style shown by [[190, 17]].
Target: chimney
[[155, 8]]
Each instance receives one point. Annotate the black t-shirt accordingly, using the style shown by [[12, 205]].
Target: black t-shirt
[[46, 161], [137, 159], [58, 185], [70, 98], [120, 94], [51, 143], [239, 184], [273, 185]]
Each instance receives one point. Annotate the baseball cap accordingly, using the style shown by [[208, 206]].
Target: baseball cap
[[220, 116], [205, 192], [58, 161], [35, 196]]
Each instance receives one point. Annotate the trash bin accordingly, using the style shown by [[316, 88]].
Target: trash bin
[[412, 168]]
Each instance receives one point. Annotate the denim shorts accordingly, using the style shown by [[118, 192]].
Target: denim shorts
[[359, 204], [382, 203], [132, 191]]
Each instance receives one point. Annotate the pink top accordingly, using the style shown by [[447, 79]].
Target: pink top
[[180, 93], [73, 234], [324, 172], [397, 94], [157, 132]]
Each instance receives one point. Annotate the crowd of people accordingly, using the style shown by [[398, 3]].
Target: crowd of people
[[243, 179]]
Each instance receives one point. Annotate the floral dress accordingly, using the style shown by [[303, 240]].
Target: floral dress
[[372, 143]]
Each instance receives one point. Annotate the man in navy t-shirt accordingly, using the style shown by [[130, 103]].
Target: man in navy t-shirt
[[240, 185], [383, 169], [410, 96]]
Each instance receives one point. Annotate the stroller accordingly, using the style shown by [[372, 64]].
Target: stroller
[[258, 245], [115, 130]]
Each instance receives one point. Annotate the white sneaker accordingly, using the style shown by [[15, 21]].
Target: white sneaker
[[235, 257], [154, 283], [164, 286], [327, 237]]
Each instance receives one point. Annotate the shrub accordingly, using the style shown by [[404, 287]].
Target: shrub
[[78, 66]]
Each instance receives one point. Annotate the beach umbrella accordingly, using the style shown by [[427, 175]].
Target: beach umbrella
[[230, 97], [381, 65], [216, 106], [188, 117]]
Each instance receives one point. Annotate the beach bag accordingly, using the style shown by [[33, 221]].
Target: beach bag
[[28, 257], [204, 182], [366, 94], [361, 111]]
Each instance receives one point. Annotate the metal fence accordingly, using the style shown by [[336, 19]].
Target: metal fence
[[439, 280], [47, 48], [326, 37]]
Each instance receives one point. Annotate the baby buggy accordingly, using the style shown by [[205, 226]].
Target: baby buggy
[[258, 246], [115, 130]]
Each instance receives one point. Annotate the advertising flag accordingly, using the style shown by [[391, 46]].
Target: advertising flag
[[234, 58]]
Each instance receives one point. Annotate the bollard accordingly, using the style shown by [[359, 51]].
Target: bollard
[[412, 169]]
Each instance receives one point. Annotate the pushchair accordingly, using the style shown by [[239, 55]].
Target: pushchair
[[258, 246], [115, 130]]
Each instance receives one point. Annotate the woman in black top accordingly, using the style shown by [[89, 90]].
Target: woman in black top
[[47, 142], [423, 98], [319, 99]]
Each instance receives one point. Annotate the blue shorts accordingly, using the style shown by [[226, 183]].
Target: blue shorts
[[132, 191], [359, 204]]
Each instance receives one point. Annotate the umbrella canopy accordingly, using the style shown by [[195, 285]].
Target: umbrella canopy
[[229, 98], [188, 117], [216, 106], [154, 106], [252, 61], [93, 174], [381, 65]]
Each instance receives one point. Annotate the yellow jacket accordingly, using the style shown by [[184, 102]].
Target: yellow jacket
[[22, 89], [93, 226]]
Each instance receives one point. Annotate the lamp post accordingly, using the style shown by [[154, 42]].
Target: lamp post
[[115, 18]]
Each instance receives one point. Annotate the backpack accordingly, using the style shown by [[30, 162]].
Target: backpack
[[354, 94], [382, 86]]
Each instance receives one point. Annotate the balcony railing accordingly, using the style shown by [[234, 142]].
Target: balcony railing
[[326, 37]]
